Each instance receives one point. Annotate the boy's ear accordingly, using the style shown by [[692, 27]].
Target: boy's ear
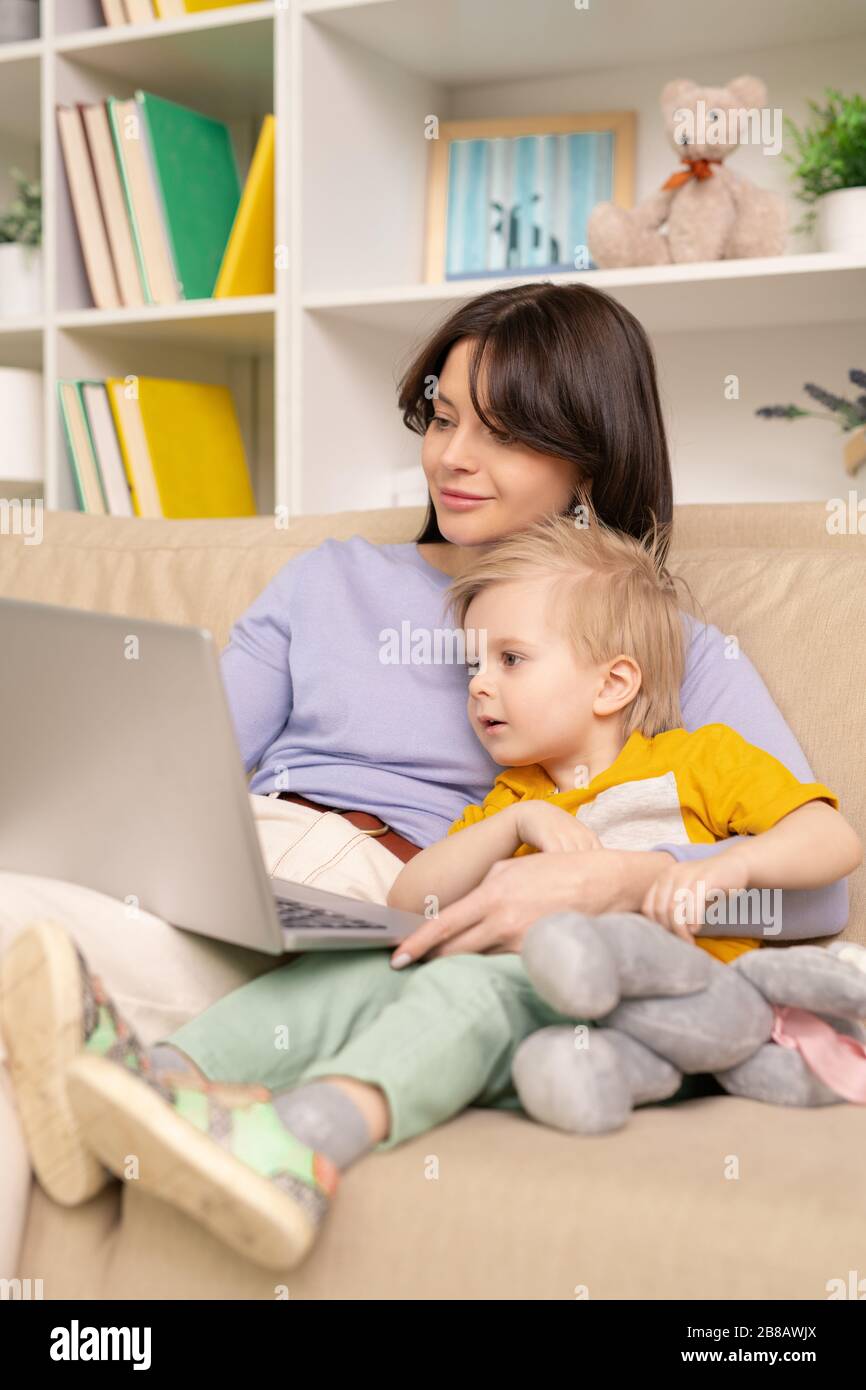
[[620, 686]]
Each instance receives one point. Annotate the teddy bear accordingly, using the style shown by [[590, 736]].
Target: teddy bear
[[779, 1025], [711, 213]]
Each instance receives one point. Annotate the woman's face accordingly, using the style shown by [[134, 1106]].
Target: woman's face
[[505, 487]]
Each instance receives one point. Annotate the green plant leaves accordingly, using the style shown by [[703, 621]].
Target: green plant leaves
[[22, 220]]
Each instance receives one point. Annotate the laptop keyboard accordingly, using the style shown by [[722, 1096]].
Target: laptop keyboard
[[298, 915]]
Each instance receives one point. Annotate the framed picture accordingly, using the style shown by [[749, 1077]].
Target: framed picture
[[512, 196]]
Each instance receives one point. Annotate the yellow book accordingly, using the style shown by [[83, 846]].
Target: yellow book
[[196, 6], [182, 448], [133, 449], [171, 9], [248, 263]]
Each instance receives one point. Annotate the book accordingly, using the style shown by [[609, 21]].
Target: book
[[112, 201], [149, 235], [92, 235], [182, 448], [140, 11], [134, 452], [114, 12], [82, 456], [248, 263], [197, 6], [199, 190], [170, 9], [103, 437]]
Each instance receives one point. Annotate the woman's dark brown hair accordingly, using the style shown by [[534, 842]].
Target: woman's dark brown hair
[[570, 373]]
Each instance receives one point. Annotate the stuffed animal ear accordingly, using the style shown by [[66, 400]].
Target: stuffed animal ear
[[748, 91], [674, 94]]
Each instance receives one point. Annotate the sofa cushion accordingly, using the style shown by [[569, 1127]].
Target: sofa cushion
[[207, 572], [655, 1210], [800, 617]]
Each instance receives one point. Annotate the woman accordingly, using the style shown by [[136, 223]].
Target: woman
[[529, 400]]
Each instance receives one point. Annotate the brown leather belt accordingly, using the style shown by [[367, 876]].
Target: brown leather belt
[[366, 821]]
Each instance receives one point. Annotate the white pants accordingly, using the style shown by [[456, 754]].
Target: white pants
[[160, 976]]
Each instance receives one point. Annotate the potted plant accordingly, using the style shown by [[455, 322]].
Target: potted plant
[[20, 249], [19, 20], [849, 415], [830, 165]]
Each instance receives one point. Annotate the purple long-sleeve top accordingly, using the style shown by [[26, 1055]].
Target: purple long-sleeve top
[[334, 695]]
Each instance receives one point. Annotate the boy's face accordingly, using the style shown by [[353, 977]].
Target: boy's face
[[532, 681]]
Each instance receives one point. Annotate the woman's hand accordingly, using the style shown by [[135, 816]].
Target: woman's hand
[[677, 898], [551, 829], [514, 893]]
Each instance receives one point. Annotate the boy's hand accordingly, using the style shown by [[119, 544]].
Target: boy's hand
[[551, 829], [678, 896]]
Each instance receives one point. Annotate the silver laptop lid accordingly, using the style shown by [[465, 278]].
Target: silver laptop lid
[[120, 770]]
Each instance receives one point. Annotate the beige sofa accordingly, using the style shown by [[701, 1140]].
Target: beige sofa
[[517, 1211]]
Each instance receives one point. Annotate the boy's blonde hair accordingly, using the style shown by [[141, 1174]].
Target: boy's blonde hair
[[616, 597]]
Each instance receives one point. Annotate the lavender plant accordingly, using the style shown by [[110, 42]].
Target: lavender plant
[[847, 414]]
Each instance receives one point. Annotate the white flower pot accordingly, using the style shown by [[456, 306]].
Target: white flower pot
[[842, 220], [21, 438], [19, 20], [20, 280]]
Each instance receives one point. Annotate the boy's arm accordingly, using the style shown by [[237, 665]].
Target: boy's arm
[[454, 866], [718, 689], [808, 848], [804, 849]]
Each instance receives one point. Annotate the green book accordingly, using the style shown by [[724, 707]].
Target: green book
[[199, 190], [86, 476]]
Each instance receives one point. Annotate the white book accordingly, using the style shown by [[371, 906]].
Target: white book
[[87, 208], [137, 451], [140, 11], [107, 448], [82, 459], [111, 196], [134, 151], [114, 12]]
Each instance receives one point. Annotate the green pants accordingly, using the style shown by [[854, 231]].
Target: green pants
[[435, 1037]]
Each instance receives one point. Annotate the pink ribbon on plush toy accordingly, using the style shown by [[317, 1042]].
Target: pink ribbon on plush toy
[[839, 1061]]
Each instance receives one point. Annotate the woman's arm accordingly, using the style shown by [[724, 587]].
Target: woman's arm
[[721, 686], [255, 666]]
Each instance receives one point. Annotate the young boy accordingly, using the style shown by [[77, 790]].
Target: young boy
[[578, 697]]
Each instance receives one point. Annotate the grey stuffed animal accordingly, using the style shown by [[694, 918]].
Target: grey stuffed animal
[[665, 1008]]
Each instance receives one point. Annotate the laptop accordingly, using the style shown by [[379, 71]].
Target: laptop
[[120, 770]]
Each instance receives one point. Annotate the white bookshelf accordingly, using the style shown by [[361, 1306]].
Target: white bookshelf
[[314, 366], [224, 62]]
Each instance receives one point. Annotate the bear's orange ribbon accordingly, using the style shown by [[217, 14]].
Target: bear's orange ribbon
[[698, 169]]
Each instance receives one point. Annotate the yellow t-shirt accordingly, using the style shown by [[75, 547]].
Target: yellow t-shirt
[[676, 788]]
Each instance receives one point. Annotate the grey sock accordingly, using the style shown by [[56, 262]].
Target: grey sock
[[325, 1118], [164, 1057]]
